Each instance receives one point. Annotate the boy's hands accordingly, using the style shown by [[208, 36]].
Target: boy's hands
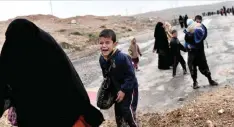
[[120, 96]]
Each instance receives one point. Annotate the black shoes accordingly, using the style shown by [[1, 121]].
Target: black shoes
[[195, 85], [213, 83]]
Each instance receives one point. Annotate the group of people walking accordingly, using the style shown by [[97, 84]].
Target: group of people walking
[[223, 12], [183, 21], [169, 49], [45, 90]]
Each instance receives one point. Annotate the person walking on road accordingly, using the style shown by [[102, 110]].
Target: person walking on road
[[194, 38], [161, 46], [181, 21], [176, 55], [185, 21], [123, 78], [135, 53]]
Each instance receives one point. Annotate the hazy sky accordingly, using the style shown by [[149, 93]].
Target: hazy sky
[[63, 9]]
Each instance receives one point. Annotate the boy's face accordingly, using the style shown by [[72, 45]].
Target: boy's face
[[106, 45], [175, 34]]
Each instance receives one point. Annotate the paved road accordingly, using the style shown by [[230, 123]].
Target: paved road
[[158, 90]]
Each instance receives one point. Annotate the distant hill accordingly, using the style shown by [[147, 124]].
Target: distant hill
[[191, 11]]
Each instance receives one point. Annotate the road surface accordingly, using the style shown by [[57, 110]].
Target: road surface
[[158, 90]]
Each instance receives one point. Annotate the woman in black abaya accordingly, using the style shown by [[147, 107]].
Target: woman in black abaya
[[161, 46], [181, 21], [46, 89]]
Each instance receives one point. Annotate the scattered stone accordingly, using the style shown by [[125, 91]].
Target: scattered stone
[[62, 30], [75, 33], [221, 111], [181, 99], [103, 26], [130, 29], [191, 110], [73, 21], [209, 123]]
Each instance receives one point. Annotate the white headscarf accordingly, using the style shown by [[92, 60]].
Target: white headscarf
[[192, 25]]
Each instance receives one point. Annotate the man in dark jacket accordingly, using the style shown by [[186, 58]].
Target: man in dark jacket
[[196, 53], [123, 78], [177, 57]]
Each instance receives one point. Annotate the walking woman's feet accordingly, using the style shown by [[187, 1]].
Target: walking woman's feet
[[195, 85]]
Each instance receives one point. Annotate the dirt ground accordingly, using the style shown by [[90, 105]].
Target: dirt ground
[[215, 108], [204, 111], [80, 32]]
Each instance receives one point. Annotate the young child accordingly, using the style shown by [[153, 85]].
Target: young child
[[134, 52], [123, 74], [175, 49]]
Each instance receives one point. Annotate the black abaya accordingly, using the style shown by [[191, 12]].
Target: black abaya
[[162, 47], [46, 89]]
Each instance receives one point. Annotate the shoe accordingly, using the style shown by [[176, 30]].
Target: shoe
[[195, 85], [173, 75], [213, 83]]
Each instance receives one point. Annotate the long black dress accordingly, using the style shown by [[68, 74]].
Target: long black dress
[[162, 47], [185, 21], [181, 21], [46, 89]]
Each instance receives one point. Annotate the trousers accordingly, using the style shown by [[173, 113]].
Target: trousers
[[176, 60], [125, 111], [198, 59]]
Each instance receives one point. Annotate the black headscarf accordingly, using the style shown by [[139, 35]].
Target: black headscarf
[[180, 18], [186, 17], [161, 41], [46, 89]]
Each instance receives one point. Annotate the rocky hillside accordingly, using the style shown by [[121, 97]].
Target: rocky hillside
[[77, 33]]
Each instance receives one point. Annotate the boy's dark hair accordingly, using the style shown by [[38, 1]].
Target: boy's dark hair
[[198, 17], [108, 33], [173, 31]]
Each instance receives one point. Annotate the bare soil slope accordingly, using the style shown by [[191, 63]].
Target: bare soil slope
[[210, 109], [78, 33]]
